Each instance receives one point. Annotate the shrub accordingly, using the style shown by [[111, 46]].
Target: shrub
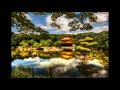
[[24, 54], [100, 55], [23, 72], [20, 73]]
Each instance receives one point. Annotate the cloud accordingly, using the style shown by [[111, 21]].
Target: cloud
[[63, 22], [102, 16], [88, 21], [43, 26], [99, 29], [77, 31], [28, 17], [54, 31], [49, 20]]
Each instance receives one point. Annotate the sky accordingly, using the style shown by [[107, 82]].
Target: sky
[[44, 22]]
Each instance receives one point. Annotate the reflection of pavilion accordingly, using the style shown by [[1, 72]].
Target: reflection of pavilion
[[67, 47]]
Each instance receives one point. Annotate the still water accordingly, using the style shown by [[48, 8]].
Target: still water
[[40, 66], [60, 67]]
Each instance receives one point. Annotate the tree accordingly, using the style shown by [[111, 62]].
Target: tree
[[12, 33], [86, 45], [42, 42], [57, 43], [105, 40], [44, 36], [48, 42], [15, 40], [24, 43], [20, 20], [36, 44], [31, 42]]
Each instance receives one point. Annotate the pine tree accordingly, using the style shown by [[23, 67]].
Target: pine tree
[[86, 45]]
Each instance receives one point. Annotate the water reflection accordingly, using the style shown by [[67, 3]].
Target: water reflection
[[54, 64], [42, 66]]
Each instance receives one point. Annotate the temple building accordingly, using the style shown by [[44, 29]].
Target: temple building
[[67, 47]]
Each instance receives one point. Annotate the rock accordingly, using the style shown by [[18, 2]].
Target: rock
[[88, 58], [81, 57], [100, 74], [95, 62], [103, 72]]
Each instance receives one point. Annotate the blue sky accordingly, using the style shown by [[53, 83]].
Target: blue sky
[[44, 22]]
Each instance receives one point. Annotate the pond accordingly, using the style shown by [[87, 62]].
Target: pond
[[55, 65], [41, 66]]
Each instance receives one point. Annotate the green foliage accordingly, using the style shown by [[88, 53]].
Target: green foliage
[[86, 39], [89, 44], [36, 44], [31, 42], [22, 72], [57, 43], [45, 55], [24, 43], [82, 48], [48, 42], [92, 43], [87, 70], [100, 55], [102, 39], [44, 36], [20, 20], [85, 44], [42, 42], [24, 54], [13, 53]]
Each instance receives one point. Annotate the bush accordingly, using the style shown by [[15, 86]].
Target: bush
[[87, 70], [24, 54], [45, 55], [22, 72], [100, 55], [13, 53]]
